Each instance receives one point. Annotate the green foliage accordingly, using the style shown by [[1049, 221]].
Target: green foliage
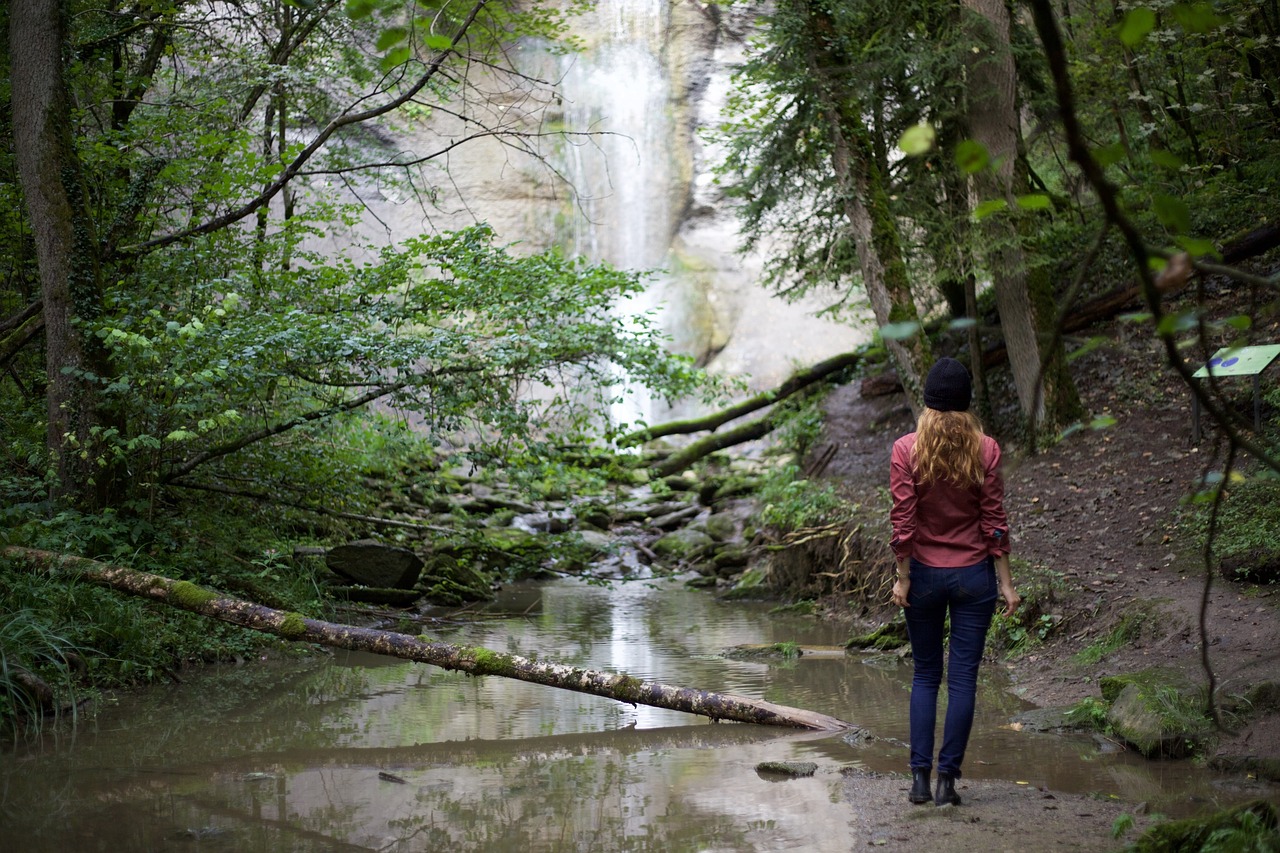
[[1032, 623], [1248, 828], [29, 645], [790, 502], [1089, 713], [788, 650], [1248, 521]]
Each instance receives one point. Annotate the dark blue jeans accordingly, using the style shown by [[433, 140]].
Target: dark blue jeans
[[969, 595]]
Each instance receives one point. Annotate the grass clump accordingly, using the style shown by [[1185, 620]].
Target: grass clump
[[1128, 629]]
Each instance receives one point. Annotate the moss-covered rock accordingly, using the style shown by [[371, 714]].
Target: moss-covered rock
[[730, 560], [721, 527], [684, 544], [790, 769], [1158, 720], [750, 585], [450, 582], [891, 635]]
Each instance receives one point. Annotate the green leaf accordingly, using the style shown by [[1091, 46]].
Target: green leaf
[[1135, 317], [357, 9], [437, 42], [1087, 347], [960, 323], [1240, 322], [1197, 17], [900, 331], [1197, 246], [1137, 23], [972, 156], [1034, 201], [917, 139], [1109, 155], [395, 58], [986, 208], [1183, 321], [1102, 422], [391, 37], [1166, 159], [1172, 212]]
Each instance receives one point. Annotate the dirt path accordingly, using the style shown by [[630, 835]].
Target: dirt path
[[993, 817]]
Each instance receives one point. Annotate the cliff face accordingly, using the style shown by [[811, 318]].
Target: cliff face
[[610, 164]]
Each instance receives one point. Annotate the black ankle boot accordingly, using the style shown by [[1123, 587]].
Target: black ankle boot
[[946, 793], [919, 786]]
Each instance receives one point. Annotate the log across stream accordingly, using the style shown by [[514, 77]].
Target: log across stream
[[469, 659]]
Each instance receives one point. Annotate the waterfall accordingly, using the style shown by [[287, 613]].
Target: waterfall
[[621, 175]]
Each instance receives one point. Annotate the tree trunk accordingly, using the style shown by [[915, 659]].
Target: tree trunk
[[992, 122], [470, 659], [871, 225], [1020, 297], [48, 173]]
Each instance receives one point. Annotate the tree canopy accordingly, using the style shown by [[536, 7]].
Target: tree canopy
[[172, 176]]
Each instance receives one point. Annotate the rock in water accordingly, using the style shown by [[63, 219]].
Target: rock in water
[[375, 564], [793, 769]]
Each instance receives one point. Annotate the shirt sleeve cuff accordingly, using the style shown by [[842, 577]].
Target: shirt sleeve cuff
[[998, 543]]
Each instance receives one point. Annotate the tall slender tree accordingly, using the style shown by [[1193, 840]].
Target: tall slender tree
[[1023, 298]]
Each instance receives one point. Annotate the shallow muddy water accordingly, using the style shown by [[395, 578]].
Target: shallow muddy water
[[358, 752]]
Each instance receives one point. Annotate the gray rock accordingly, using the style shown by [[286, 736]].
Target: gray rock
[[1044, 720], [373, 563]]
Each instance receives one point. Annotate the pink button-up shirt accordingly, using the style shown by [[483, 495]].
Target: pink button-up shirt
[[943, 525]]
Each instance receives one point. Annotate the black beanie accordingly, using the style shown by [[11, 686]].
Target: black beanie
[[948, 388]]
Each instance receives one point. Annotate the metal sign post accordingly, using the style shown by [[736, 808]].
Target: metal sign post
[[1236, 361]]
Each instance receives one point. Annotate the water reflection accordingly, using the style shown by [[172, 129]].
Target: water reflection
[[367, 753]]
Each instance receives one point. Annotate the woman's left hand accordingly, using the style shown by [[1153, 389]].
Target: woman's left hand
[[900, 590]]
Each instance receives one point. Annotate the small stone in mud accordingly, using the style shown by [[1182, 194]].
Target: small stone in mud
[[787, 768]]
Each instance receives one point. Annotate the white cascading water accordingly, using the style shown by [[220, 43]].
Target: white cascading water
[[621, 174]]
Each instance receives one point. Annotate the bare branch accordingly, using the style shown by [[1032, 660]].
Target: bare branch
[[276, 429], [291, 171]]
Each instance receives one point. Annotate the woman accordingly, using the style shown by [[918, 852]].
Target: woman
[[951, 542]]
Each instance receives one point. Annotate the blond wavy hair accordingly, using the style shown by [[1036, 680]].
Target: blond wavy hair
[[948, 449]]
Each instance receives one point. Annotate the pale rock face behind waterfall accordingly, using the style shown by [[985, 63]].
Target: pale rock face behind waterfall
[[638, 193]]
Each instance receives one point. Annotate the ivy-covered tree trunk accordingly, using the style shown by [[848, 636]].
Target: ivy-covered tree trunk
[[1024, 300], [48, 172]]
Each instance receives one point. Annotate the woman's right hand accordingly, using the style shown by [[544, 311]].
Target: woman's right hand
[[1011, 599]]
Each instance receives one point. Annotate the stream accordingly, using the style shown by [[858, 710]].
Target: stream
[[359, 752]]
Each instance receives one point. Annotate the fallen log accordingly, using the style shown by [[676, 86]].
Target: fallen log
[[682, 459], [470, 659], [798, 381], [32, 323]]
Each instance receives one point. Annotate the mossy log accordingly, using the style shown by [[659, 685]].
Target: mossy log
[[799, 380], [25, 326], [682, 459], [470, 659]]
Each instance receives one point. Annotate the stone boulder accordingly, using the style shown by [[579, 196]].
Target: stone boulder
[[375, 564], [1149, 720], [683, 544]]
